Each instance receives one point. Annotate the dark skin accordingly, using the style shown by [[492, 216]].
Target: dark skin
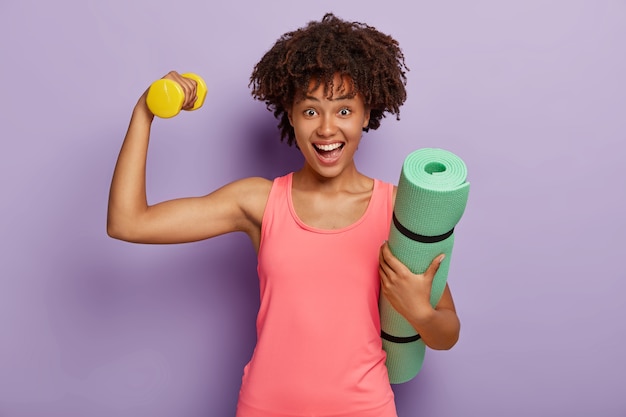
[[311, 57], [328, 192]]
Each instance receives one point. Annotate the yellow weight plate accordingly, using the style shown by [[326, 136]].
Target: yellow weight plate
[[165, 98]]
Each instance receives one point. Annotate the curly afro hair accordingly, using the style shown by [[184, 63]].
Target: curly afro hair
[[372, 61]]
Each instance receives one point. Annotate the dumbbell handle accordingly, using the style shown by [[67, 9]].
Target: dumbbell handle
[[166, 97]]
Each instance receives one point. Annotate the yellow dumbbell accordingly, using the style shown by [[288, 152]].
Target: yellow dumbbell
[[166, 97]]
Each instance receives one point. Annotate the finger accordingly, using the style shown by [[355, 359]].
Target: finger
[[392, 262], [383, 268], [381, 254], [383, 276], [387, 255], [190, 87], [434, 266], [174, 76]]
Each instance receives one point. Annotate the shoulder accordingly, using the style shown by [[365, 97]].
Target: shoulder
[[252, 192], [245, 199], [241, 201], [258, 184], [390, 188]]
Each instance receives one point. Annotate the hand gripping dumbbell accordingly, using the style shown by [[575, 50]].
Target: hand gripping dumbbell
[[166, 97]]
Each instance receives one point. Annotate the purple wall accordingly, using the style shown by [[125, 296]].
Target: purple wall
[[532, 95]]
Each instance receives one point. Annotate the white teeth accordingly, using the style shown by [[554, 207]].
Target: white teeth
[[329, 147]]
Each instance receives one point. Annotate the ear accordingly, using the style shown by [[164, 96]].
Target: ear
[[366, 118], [289, 117], [289, 112]]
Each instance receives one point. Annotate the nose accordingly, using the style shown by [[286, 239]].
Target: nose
[[327, 126]]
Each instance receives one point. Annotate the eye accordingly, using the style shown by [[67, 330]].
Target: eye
[[310, 112], [344, 112]]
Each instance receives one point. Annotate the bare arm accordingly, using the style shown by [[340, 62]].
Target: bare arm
[[409, 294], [235, 207]]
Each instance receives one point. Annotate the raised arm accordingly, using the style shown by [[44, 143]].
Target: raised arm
[[237, 206]]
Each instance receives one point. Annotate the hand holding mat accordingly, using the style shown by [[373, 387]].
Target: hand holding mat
[[431, 198]]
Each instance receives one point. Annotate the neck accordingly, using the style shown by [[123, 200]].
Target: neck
[[349, 179]]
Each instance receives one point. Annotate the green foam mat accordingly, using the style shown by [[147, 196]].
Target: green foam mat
[[431, 198]]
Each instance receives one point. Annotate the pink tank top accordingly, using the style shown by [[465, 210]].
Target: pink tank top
[[319, 351]]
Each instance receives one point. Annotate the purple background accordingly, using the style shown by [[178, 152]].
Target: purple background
[[532, 95]]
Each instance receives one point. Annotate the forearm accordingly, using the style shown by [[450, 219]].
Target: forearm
[[439, 329], [127, 197], [409, 294]]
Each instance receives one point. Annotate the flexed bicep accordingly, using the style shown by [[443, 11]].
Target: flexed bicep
[[237, 206]]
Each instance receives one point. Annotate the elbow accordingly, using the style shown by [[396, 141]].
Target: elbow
[[114, 231], [113, 226], [118, 231], [447, 339], [127, 229], [447, 344], [123, 223], [442, 344], [452, 338]]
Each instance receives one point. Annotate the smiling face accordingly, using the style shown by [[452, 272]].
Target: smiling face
[[328, 129]]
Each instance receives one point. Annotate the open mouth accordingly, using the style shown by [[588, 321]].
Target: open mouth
[[330, 150]]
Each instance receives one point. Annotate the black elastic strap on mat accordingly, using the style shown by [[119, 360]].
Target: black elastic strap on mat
[[396, 339], [419, 238]]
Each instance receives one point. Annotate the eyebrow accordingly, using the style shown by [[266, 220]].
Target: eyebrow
[[343, 97]]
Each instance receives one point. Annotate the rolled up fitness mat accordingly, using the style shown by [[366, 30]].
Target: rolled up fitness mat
[[431, 198]]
